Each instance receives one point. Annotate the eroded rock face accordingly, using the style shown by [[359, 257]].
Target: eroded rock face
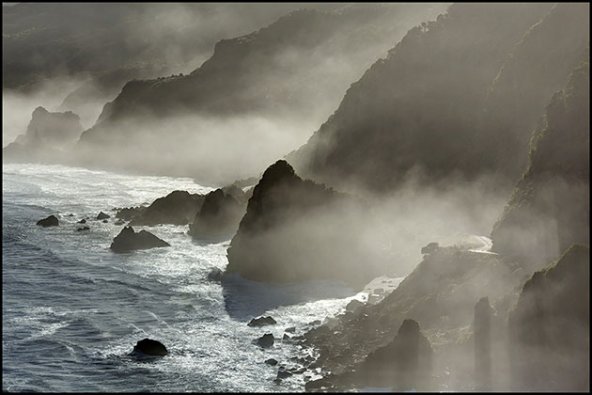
[[52, 220], [296, 230], [128, 240], [150, 347], [550, 327], [220, 214]]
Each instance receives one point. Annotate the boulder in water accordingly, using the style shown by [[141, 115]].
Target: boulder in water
[[102, 215], [150, 347], [82, 221], [271, 361], [52, 220], [266, 340], [83, 229], [215, 275], [262, 321], [128, 240]]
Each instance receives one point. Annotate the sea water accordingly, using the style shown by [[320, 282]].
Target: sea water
[[72, 310]]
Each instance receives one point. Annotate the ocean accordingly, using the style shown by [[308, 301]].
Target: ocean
[[72, 310]]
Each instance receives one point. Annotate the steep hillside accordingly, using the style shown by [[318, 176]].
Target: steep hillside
[[432, 108], [549, 209]]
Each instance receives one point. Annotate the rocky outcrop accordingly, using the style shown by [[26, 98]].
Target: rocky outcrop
[[297, 230], [549, 209], [426, 93], [262, 321], [101, 216], [48, 134], [129, 213], [150, 347], [550, 327], [219, 215], [177, 208], [128, 240], [440, 293], [52, 220], [265, 341]]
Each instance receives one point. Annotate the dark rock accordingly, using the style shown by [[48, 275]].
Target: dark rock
[[128, 240], [102, 215], [266, 340], [283, 374], [150, 347], [278, 381], [177, 208], [219, 215], [283, 238], [82, 221], [119, 222], [315, 322], [430, 248], [105, 221], [286, 337], [550, 319], [291, 329], [52, 220], [262, 321], [403, 363], [129, 213], [215, 275], [83, 229], [271, 362]]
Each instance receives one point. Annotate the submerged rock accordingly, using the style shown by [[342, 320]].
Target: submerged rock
[[83, 229], [105, 221], [150, 347], [262, 321], [128, 240], [215, 275], [52, 220], [102, 215], [82, 221]]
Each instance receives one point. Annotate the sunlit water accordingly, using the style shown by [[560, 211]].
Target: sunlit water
[[73, 310]]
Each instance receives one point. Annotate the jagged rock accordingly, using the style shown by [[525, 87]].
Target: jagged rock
[[262, 321], [430, 248], [83, 229], [219, 215], [291, 329], [52, 220], [102, 216], [293, 230], [403, 363], [128, 240], [550, 327], [266, 340], [82, 221], [286, 337], [177, 208], [150, 347]]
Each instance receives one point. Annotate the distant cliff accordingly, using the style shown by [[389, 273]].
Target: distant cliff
[[48, 134], [456, 97], [549, 209]]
